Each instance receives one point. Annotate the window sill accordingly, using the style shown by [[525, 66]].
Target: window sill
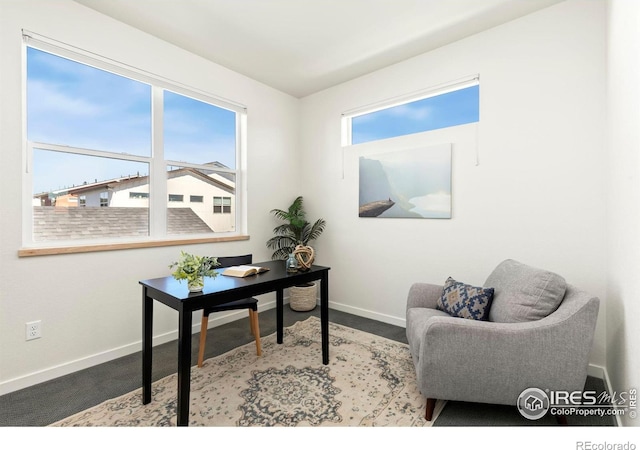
[[41, 251]]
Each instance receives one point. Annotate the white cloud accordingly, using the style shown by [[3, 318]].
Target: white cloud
[[47, 99], [409, 112]]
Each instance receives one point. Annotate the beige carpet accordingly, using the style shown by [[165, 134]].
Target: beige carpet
[[370, 381]]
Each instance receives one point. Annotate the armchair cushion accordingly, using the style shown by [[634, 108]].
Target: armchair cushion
[[465, 301], [523, 293]]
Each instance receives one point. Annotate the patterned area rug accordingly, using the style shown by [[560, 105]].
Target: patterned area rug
[[370, 381]]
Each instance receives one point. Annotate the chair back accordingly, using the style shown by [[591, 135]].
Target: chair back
[[228, 261]]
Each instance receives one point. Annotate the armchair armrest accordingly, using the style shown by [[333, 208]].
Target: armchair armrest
[[423, 295]]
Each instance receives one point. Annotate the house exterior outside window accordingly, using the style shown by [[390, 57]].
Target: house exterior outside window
[[131, 133]]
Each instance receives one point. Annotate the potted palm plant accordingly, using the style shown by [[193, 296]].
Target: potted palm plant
[[295, 235], [296, 231]]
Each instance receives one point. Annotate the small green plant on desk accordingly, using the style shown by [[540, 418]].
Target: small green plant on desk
[[194, 268]]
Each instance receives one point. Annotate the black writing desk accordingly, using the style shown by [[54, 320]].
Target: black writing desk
[[222, 289]]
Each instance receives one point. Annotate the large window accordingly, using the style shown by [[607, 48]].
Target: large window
[[455, 104], [113, 153]]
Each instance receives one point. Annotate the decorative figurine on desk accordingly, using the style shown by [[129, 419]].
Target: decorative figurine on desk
[[305, 256], [193, 269]]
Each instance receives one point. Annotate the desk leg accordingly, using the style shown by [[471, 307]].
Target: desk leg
[[279, 314], [147, 348], [184, 366], [324, 317]]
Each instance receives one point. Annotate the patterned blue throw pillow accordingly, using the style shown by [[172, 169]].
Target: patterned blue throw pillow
[[462, 300]]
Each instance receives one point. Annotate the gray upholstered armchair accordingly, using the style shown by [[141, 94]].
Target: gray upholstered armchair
[[538, 334]]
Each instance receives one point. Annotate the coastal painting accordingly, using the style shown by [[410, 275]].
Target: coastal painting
[[412, 183]]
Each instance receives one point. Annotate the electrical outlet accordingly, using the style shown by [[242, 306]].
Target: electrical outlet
[[34, 330]]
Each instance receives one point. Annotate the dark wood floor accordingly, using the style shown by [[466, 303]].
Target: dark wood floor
[[53, 400]]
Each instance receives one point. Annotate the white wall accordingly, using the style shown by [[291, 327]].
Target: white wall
[[623, 212], [537, 195], [90, 303]]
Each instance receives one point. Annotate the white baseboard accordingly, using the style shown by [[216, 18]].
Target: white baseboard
[[601, 372], [393, 320], [67, 368], [51, 373], [597, 371]]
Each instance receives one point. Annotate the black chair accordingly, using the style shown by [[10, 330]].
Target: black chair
[[247, 303]]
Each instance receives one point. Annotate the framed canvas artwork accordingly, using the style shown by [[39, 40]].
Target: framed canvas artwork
[[412, 183]]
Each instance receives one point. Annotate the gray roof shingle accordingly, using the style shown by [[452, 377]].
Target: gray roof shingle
[[54, 224]]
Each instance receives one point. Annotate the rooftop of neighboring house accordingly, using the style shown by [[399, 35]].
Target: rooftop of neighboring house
[[54, 224], [223, 180]]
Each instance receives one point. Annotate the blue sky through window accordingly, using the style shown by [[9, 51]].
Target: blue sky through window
[[69, 103], [441, 111], [198, 132], [73, 104]]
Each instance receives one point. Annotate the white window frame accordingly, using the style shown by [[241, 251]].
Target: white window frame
[[433, 91], [158, 204]]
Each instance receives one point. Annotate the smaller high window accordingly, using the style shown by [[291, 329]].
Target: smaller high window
[[176, 197], [138, 195], [456, 103], [196, 198]]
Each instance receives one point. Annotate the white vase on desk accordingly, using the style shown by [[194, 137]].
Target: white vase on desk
[[196, 285], [291, 263]]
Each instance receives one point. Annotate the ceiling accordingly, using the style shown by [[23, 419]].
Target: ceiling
[[303, 46]]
